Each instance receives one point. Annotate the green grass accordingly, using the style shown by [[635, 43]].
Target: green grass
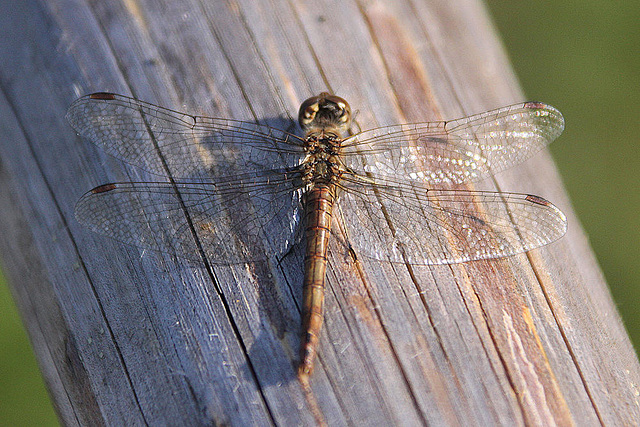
[[23, 398]]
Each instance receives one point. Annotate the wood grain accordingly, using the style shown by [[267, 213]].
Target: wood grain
[[125, 336]]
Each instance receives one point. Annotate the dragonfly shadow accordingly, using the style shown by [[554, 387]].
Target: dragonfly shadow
[[253, 219], [246, 206]]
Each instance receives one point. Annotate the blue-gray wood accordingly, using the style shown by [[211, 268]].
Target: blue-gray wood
[[126, 336]]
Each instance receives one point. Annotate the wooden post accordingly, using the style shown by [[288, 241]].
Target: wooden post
[[125, 336]]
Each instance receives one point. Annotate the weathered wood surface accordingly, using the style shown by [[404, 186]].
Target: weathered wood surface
[[127, 337]]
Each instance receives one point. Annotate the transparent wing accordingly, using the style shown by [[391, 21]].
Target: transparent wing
[[148, 136], [244, 219], [427, 226], [456, 151]]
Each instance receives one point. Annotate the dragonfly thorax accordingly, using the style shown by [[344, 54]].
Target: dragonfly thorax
[[322, 163], [323, 143]]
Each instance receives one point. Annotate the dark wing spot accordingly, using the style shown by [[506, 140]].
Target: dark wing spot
[[106, 96], [103, 188], [537, 200], [535, 105]]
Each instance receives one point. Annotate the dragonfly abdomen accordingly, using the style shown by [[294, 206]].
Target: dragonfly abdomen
[[318, 211]]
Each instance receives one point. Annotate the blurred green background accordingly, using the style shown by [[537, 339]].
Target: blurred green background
[[581, 56], [23, 398]]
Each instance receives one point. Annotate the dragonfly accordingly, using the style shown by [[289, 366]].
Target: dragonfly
[[237, 191]]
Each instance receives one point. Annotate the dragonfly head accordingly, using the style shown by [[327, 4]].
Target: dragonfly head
[[325, 111]]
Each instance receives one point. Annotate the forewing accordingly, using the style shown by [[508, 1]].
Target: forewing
[[240, 220], [456, 151], [410, 223], [150, 137]]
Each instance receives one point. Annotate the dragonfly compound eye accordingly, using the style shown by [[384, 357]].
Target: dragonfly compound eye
[[325, 111]]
